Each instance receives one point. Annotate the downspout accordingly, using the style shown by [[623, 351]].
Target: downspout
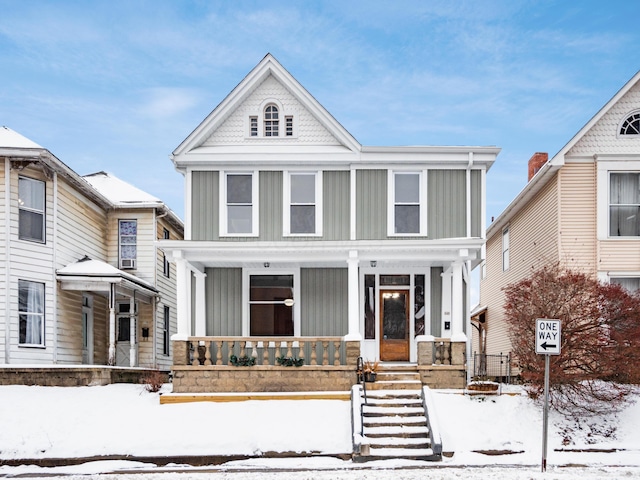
[[55, 266], [7, 249]]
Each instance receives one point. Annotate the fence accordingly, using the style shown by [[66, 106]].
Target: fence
[[492, 367]]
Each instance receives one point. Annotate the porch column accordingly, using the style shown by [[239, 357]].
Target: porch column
[[183, 283], [112, 324], [201, 304], [457, 302], [133, 361], [353, 296]]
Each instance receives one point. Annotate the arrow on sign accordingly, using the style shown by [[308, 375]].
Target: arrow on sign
[[546, 345]]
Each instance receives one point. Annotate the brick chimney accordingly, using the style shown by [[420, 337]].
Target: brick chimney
[[536, 162]]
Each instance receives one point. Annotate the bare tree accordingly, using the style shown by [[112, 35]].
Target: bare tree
[[600, 347]]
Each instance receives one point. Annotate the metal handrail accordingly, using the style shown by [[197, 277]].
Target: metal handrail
[[360, 375]]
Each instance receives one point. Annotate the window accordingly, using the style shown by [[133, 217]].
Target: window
[[127, 237], [31, 215], [271, 305], [303, 212], [288, 124], [31, 312], [505, 249], [631, 126], [624, 204], [166, 268], [630, 283], [239, 193], [407, 214], [165, 332], [271, 121], [253, 126]]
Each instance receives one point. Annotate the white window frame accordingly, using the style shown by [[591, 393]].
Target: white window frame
[[37, 210], [604, 168], [121, 244], [621, 276], [246, 275], [255, 206], [391, 203], [506, 248], [257, 116], [286, 216], [619, 133], [41, 315]]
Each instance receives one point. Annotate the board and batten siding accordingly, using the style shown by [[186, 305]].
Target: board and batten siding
[[577, 226], [324, 302], [336, 208], [533, 241], [447, 204], [476, 204], [436, 301], [371, 204], [223, 291], [205, 205]]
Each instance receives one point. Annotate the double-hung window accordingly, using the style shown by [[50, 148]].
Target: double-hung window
[[407, 210], [31, 313], [127, 241], [303, 203], [271, 121], [624, 204], [239, 193], [271, 301], [31, 213]]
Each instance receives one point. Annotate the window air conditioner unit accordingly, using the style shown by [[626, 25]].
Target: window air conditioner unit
[[128, 263]]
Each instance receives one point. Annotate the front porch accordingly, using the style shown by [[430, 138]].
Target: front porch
[[268, 364]]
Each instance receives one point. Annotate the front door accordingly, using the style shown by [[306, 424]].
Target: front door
[[87, 330], [394, 325]]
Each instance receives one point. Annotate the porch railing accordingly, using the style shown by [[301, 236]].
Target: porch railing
[[274, 351]]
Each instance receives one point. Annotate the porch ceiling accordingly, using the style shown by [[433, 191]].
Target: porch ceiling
[[386, 254]]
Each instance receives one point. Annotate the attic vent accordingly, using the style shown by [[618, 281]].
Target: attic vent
[[631, 126]]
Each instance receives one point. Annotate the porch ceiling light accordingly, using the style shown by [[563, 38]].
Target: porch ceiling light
[[373, 263], [266, 264]]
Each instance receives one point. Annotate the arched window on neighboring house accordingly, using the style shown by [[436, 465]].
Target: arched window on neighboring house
[[271, 121], [631, 126]]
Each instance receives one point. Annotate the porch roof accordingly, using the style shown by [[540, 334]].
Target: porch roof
[[98, 276], [328, 254]]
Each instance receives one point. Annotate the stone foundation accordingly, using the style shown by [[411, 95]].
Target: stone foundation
[[218, 379], [443, 376], [62, 376]]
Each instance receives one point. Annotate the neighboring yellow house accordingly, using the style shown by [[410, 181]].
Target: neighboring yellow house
[[82, 280], [580, 208]]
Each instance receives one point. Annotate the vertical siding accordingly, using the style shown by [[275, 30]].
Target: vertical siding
[[447, 204], [336, 199], [371, 204], [436, 301], [205, 205], [270, 206], [323, 302], [577, 195], [533, 243], [476, 203], [224, 301]]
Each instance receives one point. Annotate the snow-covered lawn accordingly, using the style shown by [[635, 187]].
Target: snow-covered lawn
[[57, 422]]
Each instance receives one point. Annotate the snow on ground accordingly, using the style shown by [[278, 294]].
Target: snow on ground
[[121, 419]]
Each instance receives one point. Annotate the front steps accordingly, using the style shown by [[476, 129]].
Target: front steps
[[394, 420]]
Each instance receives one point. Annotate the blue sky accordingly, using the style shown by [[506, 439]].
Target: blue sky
[[117, 85]]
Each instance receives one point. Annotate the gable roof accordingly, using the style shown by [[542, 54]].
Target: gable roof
[[267, 66], [546, 172], [12, 139]]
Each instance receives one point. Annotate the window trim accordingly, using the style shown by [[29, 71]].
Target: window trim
[[286, 214], [255, 204], [603, 184], [42, 315], [246, 276], [120, 244], [506, 248], [609, 204], [422, 202], [42, 212], [254, 122]]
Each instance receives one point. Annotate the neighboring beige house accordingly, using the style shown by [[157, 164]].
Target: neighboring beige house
[[79, 257], [580, 208]]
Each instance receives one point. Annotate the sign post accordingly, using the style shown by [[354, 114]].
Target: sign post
[[548, 339]]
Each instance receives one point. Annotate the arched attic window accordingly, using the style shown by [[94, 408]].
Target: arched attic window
[[271, 120], [631, 126]]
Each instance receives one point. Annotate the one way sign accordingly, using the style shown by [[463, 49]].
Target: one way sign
[[548, 336]]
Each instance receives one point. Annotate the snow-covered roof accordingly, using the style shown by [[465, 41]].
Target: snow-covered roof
[[12, 139], [118, 191]]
